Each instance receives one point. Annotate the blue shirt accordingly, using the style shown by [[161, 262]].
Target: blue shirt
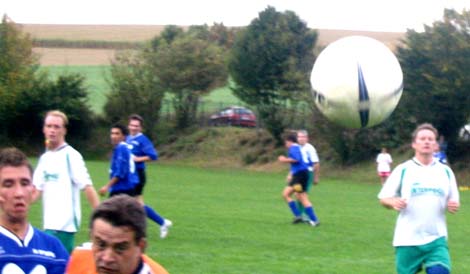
[[123, 167], [141, 146], [37, 253], [295, 153]]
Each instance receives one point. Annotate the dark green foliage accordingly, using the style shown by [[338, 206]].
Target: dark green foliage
[[25, 95], [436, 63], [270, 64], [188, 66], [134, 89]]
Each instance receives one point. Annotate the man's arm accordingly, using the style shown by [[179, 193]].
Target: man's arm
[[395, 203], [103, 190], [92, 196], [316, 173]]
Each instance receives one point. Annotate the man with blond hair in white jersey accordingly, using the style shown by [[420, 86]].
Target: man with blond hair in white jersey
[[60, 175], [421, 190], [310, 157]]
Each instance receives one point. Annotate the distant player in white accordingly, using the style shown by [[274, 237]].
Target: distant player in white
[[310, 158], [384, 161], [60, 176], [421, 190]]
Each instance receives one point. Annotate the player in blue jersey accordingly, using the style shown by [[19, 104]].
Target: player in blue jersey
[[123, 176], [143, 151], [297, 182], [24, 249]]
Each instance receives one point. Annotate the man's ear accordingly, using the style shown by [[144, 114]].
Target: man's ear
[[142, 244]]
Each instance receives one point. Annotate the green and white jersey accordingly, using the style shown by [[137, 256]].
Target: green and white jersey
[[60, 175], [427, 189], [309, 155]]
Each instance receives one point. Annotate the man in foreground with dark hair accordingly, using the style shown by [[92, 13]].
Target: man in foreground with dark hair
[[118, 240], [23, 248]]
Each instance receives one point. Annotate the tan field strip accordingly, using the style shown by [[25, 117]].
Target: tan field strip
[[130, 33], [74, 57], [134, 33]]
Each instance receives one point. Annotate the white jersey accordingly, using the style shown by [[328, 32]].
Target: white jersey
[[427, 189], [60, 175], [309, 154], [383, 162]]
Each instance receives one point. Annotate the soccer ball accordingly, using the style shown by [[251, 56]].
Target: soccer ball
[[356, 82]]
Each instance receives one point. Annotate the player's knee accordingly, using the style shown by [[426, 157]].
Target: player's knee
[[437, 269]]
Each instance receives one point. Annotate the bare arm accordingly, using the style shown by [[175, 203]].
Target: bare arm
[[139, 159], [285, 159], [92, 196], [395, 203], [316, 173], [106, 187], [453, 206]]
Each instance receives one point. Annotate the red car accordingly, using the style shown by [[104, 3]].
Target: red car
[[234, 116]]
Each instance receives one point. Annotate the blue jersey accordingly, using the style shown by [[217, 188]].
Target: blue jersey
[[141, 146], [295, 153], [123, 167], [37, 253]]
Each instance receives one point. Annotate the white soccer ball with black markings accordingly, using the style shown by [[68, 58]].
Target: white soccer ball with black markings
[[356, 82]]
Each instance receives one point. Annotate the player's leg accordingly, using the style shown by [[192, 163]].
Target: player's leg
[[437, 259], [308, 187], [286, 194], [408, 259], [303, 197], [139, 189]]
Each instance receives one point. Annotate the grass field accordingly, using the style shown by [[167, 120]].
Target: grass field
[[233, 221], [97, 86]]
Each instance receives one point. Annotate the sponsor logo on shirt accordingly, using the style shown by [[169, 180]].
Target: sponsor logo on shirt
[[51, 177], [44, 252], [417, 190]]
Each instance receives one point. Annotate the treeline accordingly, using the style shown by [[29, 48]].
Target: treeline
[[266, 65], [88, 44]]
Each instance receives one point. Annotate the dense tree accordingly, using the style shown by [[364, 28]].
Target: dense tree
[[270, 64], [436, 63], [26, 94], [67, 93], [134, 89], [17, 67], [189, 67]]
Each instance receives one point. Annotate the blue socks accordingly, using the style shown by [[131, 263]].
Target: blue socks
[[293, 208], [153, 215], [311, 214]]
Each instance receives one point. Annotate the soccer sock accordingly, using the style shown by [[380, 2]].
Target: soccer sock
[[311, 213], [153, 215], [294, 209], [300, 207]]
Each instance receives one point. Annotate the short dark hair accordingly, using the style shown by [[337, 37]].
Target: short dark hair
[[122, 128], [291, 136], [122, 210], [14, 157], [137, 117]]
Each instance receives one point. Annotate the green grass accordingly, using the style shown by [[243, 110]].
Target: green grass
[[95, 82], [228, 221], [97, 86]]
